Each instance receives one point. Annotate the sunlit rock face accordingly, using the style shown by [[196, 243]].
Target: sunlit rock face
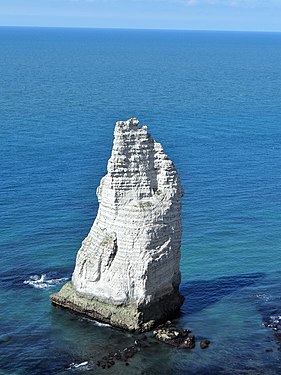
[[130, 259]]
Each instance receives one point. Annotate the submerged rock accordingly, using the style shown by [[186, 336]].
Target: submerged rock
[[129, 352], [204, 344], [127, 269]]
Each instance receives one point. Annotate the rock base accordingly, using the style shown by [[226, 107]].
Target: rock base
[[130, 317]]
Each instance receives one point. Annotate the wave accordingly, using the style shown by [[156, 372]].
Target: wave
[[101, 324], [44, 281], [77, 365], [95, 322], [264, 297], [274, 322]]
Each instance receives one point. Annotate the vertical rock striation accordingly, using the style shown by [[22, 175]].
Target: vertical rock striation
[[127, 269]]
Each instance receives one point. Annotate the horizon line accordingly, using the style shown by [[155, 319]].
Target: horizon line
[[138, 28]]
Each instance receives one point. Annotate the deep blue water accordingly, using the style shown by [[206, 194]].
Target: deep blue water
[[213, 99]]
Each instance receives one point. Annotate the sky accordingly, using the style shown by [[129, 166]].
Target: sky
[[238, 15]]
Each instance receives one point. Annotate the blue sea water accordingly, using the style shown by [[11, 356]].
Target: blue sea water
[[213, 99]]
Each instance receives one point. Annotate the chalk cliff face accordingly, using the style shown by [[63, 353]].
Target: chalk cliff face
[[127, 269]]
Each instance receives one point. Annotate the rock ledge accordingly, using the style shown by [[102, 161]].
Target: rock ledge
[[132, 317]]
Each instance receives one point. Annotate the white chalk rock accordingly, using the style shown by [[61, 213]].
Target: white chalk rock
[[131, 256]]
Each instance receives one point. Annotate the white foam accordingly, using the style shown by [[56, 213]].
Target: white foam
[[275, 318], [42, 281], [101, 324], [95, 322], [77, 365], [264, 297]]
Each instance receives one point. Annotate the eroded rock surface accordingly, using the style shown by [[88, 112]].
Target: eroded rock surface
[[127, 269]]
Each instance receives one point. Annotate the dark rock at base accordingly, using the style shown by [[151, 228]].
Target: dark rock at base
[[138, 343], [273, 321], [110, 363], [188, 343], [204, 344], [117, 356], [169, 334], [121, 355]]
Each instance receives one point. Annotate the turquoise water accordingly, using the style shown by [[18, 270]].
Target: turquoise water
[[213, 100]]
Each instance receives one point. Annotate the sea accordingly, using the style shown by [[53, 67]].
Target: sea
[[213, 99]]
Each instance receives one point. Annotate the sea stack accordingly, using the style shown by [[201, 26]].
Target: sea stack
[[127, 270]]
